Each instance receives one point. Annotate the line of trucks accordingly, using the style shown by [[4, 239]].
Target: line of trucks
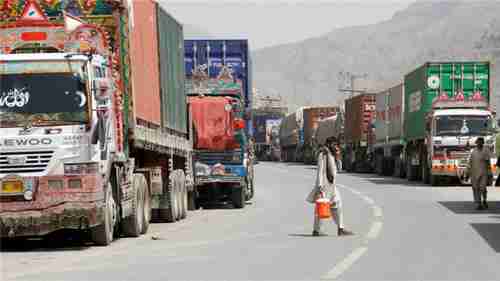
[[109, 119], [422, 129]]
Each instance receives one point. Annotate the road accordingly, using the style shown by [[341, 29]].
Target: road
[[404, 231]]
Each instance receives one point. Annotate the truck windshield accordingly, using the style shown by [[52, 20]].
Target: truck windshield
[[463, 125], [44, 93]]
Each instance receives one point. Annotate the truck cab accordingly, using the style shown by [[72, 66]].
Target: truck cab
[[57, 136], [451, 137]]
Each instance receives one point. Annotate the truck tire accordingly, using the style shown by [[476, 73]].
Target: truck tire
[[133, 224], [147, 205], [410, 172], [170, 214], [238, 197], [435, 180], [192, 204], [103, 234], [426, 177], [183, 200]]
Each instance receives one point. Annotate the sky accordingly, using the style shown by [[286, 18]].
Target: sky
[[274, 22]]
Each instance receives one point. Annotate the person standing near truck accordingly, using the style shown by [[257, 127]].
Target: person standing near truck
[[497, 151], [325, 184], [480, 173]]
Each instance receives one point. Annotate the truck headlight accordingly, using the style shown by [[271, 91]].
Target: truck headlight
[[202, 169], [81, 168]]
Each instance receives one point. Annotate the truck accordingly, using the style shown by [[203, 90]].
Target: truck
[[358, 133], [289, 137], [93, 125], [264, 121], [297, 132], [447, 107], [219, 86], [389, 139]]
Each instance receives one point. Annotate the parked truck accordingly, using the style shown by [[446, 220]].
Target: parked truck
[[389, 139], [447, 107], [358, 133], [93, 123], [264, 121], [289, 137], [220, 99]]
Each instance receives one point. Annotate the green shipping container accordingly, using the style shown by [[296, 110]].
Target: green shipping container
[[171, 50], [443, 85]]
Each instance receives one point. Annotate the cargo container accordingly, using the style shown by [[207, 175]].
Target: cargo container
[[116, 153], [447, 107], [311, 117], [219, 86], [264, 120], [389, 141], [358, 133], [289, 137]]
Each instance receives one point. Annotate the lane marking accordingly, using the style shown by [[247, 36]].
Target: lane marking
[[373, 233], [375, 230], [345, 264]]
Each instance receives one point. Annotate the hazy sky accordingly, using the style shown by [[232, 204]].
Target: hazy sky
[[272, 22]]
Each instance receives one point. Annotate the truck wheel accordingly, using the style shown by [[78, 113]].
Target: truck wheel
[[147, 205], [133, 224], [192, 205], [183, 201], [426, 177], [170, 214], [410, 172], [103, 234], [238, 197], [435, 180]]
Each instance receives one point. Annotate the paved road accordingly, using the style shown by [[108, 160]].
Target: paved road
[[404, 232]]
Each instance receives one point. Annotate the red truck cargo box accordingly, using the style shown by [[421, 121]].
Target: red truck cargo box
[[144, 59], [213, 123], [359, 113]]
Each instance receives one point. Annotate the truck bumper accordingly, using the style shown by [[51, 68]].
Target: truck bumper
[[76, 216], [202, 180]]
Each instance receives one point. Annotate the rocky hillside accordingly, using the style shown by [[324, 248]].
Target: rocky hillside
[[308, 72]]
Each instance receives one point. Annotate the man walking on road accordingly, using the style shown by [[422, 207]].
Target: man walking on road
[[480, 173], [325, 184]]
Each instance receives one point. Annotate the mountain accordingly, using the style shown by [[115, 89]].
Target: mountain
[[307, 72], [192, 31]]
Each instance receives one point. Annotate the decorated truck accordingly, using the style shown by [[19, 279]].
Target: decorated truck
[[219, 86], [265, 123], [358, 133], [93, 124], [447, 107]]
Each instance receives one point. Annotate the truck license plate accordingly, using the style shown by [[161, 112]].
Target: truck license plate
[[12, 187]]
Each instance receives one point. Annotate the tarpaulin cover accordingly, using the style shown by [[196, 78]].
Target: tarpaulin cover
[[213, 123]]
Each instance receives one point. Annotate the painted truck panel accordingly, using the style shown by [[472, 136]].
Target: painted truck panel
[[458, 84], [172, 78], [214, 54], [359, 112], [259, 123]]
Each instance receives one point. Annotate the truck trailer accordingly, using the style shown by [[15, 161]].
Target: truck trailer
[[447, 107], [358, 133], [389, 139], [219, 86], [93, 124]]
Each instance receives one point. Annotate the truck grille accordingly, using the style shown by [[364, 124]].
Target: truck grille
[[32, 161]]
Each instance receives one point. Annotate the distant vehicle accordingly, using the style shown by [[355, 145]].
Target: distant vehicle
[[297, 133], [358, 133]]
